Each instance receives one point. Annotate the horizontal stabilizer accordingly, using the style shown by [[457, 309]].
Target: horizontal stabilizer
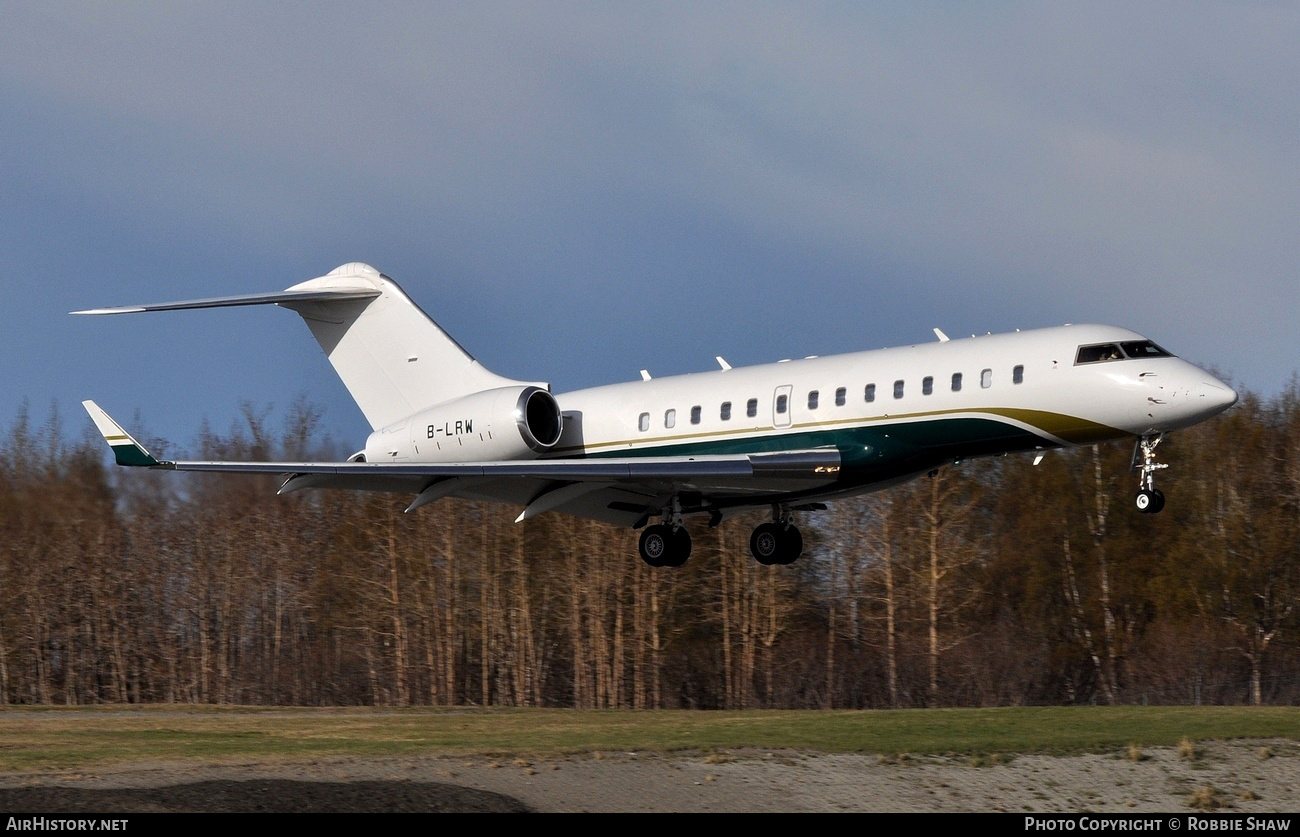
[[393, 359], [275, 298]]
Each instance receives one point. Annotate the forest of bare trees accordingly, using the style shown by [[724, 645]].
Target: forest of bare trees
[[996, 582]]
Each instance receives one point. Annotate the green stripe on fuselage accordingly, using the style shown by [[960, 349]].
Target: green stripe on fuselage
[[885, 449]]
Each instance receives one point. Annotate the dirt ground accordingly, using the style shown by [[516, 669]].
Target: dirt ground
[[1235, 776]]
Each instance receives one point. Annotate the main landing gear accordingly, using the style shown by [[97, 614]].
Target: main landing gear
[[1149, 499], [778, 542], [772, 543], [663, 546], [668, 544]]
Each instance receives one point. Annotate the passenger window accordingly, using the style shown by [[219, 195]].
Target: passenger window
[[782, 404], [643, 423], [898, 389], [840, 396], [751, 407], [725, 415], [956, 382], [695, 415], [986, 378], [812, 399], [1018, 375], [871, 393], [670, 418], [927, 385]]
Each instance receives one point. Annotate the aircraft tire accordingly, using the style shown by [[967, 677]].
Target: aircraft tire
[[679, 549], [656, 544], [791, 545], [766, 544], [1150, 502]]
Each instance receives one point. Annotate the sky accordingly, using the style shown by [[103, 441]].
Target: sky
[[577, 191]]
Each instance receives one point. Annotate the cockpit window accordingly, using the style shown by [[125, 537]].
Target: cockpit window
[[1143, 348], [1100, 352]]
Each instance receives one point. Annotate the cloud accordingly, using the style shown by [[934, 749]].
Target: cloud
[[667, 181]]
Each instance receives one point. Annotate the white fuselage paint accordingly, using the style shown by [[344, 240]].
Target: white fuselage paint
[[1134, 396], [1058, 401], [882, 442]]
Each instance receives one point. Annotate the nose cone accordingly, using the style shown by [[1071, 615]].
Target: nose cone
[[1214, 396], [1189, 396]]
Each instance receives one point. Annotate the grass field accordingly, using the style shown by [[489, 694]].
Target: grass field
[[50, 738]]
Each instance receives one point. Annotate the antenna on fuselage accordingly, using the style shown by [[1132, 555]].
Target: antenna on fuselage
[[943, 338]]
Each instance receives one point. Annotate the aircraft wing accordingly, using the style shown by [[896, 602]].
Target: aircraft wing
[[620, 490]]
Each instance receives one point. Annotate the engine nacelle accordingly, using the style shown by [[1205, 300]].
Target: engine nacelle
[[509, 423]]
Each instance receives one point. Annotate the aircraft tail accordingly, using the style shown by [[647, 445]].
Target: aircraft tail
[[393, 359]]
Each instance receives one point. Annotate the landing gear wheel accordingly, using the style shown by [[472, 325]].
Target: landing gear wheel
[[773, 543], [765, 544], [680, 548], [656, 544], [1150, 501], [661, 546], [791, 546]]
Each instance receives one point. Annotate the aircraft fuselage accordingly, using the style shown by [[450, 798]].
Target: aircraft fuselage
[[889, 413]]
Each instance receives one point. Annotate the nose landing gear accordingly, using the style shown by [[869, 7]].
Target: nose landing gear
[[1149, 499]]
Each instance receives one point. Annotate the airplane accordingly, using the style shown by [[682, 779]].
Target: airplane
[[789, 436]]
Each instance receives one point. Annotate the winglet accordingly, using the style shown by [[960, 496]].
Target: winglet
[[126, 450]]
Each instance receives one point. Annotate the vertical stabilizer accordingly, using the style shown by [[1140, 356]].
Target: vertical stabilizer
[[391, 356]]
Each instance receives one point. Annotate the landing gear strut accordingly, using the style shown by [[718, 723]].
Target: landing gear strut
[[666, 544], [1149, 499], [778, 542]]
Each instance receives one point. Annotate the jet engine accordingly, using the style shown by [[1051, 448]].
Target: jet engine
[[508, 423]]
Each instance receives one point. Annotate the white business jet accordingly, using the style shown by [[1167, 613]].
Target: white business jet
[[787, 435]]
